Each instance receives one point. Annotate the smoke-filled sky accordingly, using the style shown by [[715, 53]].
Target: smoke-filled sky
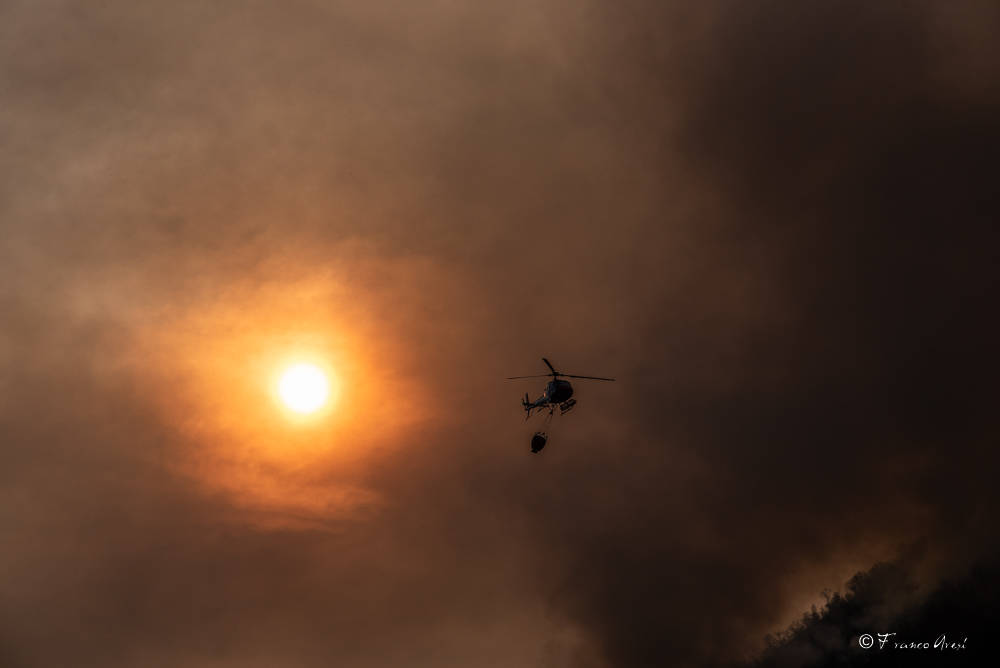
[[772, 222]]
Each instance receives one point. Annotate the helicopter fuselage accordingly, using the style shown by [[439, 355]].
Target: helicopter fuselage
[[558, 391]]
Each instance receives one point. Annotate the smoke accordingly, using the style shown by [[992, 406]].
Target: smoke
[[773, 225]]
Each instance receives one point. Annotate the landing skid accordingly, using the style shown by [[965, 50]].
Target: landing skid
[[564, 407]]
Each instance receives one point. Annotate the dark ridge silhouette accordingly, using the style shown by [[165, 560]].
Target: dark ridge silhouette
[[886, 600]]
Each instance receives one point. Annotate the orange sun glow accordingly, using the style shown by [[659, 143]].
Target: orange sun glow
[[304, 388]]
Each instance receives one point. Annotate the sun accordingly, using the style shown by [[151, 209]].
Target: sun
[[304, 388]]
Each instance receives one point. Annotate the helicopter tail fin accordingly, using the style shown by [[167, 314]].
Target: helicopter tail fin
[[526, 402]]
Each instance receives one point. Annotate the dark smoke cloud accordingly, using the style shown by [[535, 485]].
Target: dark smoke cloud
[[773, 222], [829, 365]]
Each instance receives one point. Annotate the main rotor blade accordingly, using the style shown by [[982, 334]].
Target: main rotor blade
[[569, 375], [549, 364], [544, 375]]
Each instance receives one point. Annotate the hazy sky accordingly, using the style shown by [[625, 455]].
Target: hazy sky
[[773, 222]]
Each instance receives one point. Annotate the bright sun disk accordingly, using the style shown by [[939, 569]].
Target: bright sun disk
[[304, 388]]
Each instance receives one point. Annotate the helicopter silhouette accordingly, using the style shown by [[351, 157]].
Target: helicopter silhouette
[[557, 392]]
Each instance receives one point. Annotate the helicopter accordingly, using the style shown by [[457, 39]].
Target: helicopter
[[557, 392]]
